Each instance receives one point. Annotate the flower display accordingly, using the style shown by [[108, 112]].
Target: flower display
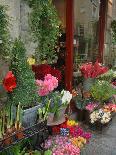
[[42, 70], [9, 82], [47, 85], [91, 106], [100, 115], [90, 70], [66, 143], [61, 146]]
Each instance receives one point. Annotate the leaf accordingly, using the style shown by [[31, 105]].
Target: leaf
[[48, 152]]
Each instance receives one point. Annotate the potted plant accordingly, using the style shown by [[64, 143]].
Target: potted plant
[[26, 92], [101, 91], [90, 72], [54, 107]]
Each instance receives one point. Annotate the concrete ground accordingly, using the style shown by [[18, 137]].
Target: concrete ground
[[102, 143]]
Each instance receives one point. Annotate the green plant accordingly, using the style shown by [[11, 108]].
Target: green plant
[[44, 23], [108, 76], [4, 33], [102, 91], [25, 92]]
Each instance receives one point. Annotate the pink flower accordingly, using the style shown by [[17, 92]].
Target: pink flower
[[47, 85], [91, 106]]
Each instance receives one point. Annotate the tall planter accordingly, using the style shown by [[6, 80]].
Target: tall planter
[[30, 116]]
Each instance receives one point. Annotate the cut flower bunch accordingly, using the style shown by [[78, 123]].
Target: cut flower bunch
[[90, 70]]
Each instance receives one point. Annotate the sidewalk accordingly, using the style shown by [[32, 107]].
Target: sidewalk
[[103, 143]]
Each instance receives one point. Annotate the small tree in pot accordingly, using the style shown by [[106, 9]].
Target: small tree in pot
[[25, 92]]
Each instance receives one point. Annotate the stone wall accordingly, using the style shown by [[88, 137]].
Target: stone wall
[[18, 11]]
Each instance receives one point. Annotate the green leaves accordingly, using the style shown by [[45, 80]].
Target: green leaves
[[102, 91], [4, 33], [113, 27], [44, 23], [25, 92]]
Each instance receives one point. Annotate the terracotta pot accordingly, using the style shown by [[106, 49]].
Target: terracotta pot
[[20, 134], [7, 140]]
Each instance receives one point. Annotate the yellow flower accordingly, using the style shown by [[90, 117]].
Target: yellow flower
[[31, 61], [71, 123]]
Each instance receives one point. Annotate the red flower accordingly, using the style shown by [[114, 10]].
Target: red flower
[[9, 82], [56, 73], [42, 70]]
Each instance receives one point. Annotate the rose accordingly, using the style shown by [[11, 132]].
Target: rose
[[9, 82]]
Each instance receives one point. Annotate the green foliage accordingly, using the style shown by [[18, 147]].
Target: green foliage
[[102, 91], [113, 27], [108, 76], [44, 23], [25, 92], [4, 33]]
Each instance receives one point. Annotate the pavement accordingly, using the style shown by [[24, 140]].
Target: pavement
[[102, 142]]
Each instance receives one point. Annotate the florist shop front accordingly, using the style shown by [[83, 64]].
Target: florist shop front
[[36, 91]]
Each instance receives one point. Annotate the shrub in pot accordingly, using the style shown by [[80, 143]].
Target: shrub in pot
[[25, 91]]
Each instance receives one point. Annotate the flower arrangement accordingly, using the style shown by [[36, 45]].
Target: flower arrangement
[[47, 85], [42, 70], [90, 70], [100, 115]]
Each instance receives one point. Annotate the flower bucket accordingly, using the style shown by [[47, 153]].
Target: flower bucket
[[61, 114], [58, 119], [30, 116], [88, 83], [50, 117]]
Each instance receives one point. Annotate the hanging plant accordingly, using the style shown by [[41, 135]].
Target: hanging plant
[[4, 33], [44, 23]]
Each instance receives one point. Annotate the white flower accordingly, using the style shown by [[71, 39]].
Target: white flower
[[67, 96]]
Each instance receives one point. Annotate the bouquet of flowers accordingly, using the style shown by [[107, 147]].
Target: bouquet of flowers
[[90, 70], [42, 70]]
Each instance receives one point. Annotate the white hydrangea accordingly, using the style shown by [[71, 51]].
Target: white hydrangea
[[67, 96]]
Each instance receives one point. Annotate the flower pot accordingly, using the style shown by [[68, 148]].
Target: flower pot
[[30, 116], [20, 134], [88, 83], [58, 119], [7, 140], [50, 117], [61, 114]]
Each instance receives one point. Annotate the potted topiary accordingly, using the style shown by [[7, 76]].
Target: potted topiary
[[25, 91]]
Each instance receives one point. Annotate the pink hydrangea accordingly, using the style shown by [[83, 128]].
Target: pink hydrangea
[[47, 85]]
